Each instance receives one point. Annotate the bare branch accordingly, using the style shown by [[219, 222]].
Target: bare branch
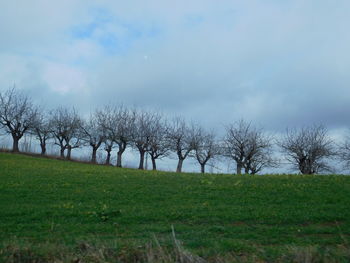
[[180, 140], [118, 123], [66, 129], [308, 149], [205, 146], [17, 114], [93, 134], [249, 147], [158, 145], [42, 129]]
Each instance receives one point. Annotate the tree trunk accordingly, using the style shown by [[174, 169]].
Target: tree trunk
[[179, 166], [94, 153], [154, 166], [108, 159], [202, 168], [15, 147], [246, 170], [239, 168], [119, 158], [62, 151], [142, 159], [43, 148], [69, 152]]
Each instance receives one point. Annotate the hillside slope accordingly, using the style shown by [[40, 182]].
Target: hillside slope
[[52, 202]]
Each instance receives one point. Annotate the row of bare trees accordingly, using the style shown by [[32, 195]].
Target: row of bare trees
[[309, 149]]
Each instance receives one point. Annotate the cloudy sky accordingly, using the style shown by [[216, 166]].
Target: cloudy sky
[[276, 63]]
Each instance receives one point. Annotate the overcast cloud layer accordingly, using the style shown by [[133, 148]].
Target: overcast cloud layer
[[276, 63]]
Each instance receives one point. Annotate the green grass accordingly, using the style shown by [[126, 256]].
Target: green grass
[[45, 202]]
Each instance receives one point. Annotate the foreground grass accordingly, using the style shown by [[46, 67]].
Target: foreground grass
[[50, 209]]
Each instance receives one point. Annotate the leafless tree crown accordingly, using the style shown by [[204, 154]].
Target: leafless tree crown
[[118, 123], [17, 114], [307, 149], [180, 140], [205, 146], [145, 134], [248, 146], [66, 129], [93, 134], [42, 129], [158, 145]]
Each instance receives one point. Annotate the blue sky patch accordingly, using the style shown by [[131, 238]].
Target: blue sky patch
[[113, 34]]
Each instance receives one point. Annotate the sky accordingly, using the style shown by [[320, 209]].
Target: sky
[[275, 63]]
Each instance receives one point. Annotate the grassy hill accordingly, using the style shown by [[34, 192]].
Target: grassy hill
[[56, 210]]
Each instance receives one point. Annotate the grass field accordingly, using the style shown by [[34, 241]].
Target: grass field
[[65, 211]]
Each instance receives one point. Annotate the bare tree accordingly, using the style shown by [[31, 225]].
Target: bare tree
[[248, 146], [42, 129], [66, 129], [93, 134], [205, 146], [180, 140], [118, 123], [307, 149], [158, 145], [17, 114], [236, 142], [143, 131]]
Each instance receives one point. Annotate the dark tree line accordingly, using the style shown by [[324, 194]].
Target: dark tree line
[[250, 148]]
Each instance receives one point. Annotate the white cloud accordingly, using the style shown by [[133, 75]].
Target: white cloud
[[64, 79]]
